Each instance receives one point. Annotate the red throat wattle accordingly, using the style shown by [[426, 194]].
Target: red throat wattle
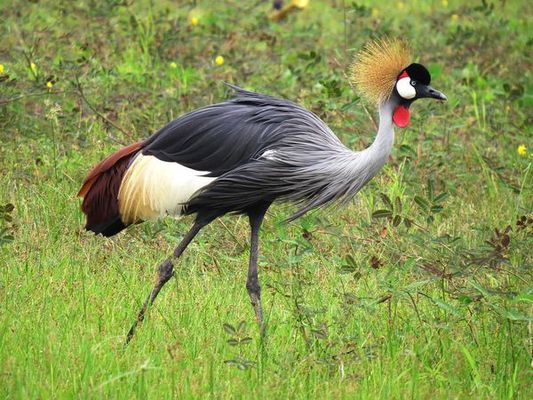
[[401, 116]]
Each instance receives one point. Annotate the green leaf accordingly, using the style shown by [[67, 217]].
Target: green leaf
[[7, 207], [429, 189], [398, 203], [422, 203], [229, 329], [397, 220], [347, 269], [436, 209], [386, 200], [464, 299], [382, 214], [440, 198], [350, 260], [240, 363]]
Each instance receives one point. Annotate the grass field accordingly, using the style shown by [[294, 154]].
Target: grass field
[[420, 288]]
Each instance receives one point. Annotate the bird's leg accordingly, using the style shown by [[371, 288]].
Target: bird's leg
[[166, 271], [252, 283]]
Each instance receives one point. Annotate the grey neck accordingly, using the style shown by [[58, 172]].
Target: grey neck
[[385, 136], [340, 176], [381, 148]]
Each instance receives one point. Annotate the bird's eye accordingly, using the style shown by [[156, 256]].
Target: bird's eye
[[413, 83]]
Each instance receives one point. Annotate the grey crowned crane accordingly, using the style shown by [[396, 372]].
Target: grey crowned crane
[[242, 155]]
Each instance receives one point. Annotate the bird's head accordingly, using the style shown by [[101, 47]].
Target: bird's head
[[382, 72]]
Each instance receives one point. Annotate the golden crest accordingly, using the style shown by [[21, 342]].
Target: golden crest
[[377, 66]]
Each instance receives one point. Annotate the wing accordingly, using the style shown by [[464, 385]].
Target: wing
[[223, 136], [259, 148]]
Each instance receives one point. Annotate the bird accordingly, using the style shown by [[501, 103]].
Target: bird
[[242, 155], [282, 12]]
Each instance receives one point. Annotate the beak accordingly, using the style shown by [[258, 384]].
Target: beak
[[428, 92]]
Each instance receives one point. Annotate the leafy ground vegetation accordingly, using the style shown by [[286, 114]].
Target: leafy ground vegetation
[[420, 288]]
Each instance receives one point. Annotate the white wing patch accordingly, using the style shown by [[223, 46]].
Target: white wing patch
[[152, 188]]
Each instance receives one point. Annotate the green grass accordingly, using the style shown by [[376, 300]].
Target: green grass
[[357, 306]]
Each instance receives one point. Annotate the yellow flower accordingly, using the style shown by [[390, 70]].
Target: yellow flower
[[401, 5], [1, 69], [445, 3], [33, 67], [173, 65], [522, 150], [375, 12], [300, 3], [219, 60], [454, 17], [195, 15], [49, 85]]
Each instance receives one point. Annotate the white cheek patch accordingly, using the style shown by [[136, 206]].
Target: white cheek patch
[[405, 89]]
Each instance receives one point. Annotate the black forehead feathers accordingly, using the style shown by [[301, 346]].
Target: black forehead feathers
[[419, 73]]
